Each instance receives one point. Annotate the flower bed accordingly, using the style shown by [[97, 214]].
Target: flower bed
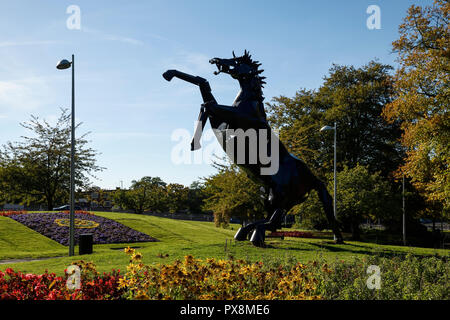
[[211, 279], [56, 227], [294, 234], [47, 286], [7, 213], [409, 278]]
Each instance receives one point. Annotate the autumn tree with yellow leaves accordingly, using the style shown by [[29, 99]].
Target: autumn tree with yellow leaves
[[422, 86]]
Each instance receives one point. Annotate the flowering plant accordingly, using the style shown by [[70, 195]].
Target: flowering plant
[[48, 286], [7, 213], [295, 234], [104, 230], [215, 280]]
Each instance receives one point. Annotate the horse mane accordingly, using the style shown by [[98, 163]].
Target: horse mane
[[256, 73]]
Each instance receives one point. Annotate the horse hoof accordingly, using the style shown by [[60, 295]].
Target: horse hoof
[[259, 244], [169, 74], [258, 237], [339, 241]]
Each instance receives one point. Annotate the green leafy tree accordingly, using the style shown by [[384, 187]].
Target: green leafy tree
[[145, 194], [230, 193], [37, 169], [360, 195], [196, 196], [352, 97], [177, 197], [363, 195]]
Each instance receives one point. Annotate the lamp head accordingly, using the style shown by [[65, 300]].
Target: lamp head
[[63, 64], [326, 128]]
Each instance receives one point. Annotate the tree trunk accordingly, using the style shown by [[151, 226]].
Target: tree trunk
[[49, 203], [355, 230]]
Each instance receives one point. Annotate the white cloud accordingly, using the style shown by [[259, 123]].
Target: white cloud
[[27, 43], [129, 134], [191, 62], [23, 95], [112, 37]]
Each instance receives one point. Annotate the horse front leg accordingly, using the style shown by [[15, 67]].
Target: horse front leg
[[207, 96], [234, 115], [203, 84]]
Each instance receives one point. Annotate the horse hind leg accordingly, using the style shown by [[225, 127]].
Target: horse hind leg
[[275, 220], [327, 202]]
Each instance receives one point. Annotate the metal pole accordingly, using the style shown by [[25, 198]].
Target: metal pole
[[404, 211], [335, 183], [72, 167]]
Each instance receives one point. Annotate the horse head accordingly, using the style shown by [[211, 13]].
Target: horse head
[[242, 68]]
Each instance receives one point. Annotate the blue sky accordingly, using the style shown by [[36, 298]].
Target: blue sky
[[123, 47]]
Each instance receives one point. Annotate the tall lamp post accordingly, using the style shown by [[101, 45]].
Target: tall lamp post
[[404, 212], [335, 188], [64, 64]]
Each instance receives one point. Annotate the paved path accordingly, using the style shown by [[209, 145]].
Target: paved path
[[26, 260]]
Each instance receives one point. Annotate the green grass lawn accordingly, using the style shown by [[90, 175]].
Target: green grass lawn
[[177, 238]]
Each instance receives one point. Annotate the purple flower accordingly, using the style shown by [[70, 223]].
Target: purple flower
[[107, 231]]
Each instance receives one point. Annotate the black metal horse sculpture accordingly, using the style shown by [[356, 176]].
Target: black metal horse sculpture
[[283, 188]]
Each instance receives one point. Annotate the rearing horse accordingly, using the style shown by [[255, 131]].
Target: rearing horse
[[283, 188]]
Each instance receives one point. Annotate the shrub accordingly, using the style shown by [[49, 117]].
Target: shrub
[[213, 279], [402, 278]]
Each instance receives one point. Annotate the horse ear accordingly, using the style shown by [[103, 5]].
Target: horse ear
[[234, 56]]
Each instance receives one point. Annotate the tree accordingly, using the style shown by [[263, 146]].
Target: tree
[[177, 197], [37, 169], [352, 97], [145, 194], [422, 86], [230, 193], [361, 194], [196, 197]]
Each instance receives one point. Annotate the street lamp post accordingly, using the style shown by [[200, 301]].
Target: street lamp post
[[335, 183], [64, 64], [404, 212]]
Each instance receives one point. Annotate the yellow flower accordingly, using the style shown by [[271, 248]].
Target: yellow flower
[[123, 283], [129, 250], [136, 256], [141, 295]]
